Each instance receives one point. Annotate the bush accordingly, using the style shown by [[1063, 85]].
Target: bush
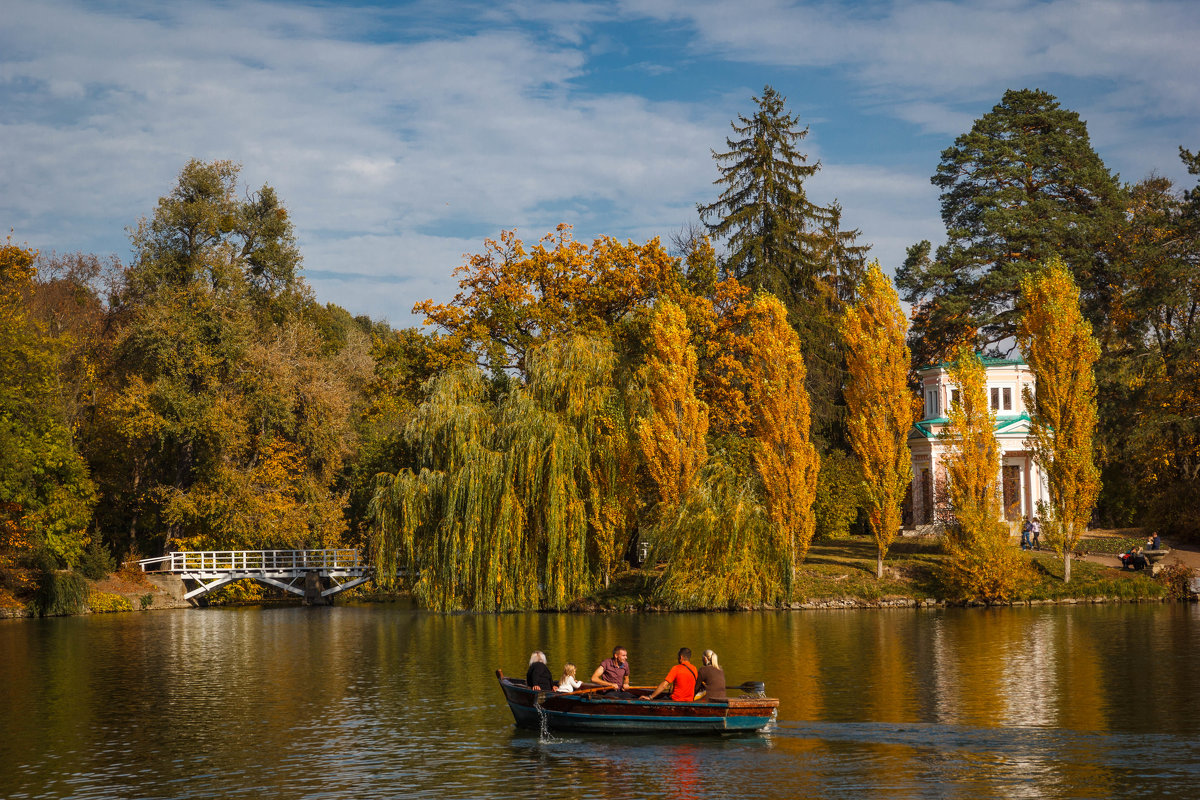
[[59, 593], [96, 562], [107, 603], [839, 496], [1178, 580]]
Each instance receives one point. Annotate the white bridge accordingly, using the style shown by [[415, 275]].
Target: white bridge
[[313, 574]]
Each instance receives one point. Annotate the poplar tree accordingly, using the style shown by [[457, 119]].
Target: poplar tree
[[784, 456], [881, 405], [982, 564], [672, 433], [1060, 349], [1023, 184]]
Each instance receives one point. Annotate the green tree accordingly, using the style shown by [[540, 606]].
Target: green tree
[[881, 404], [1022, 185], [46, 494], [226, 414], [1060, 349], [778, 240]]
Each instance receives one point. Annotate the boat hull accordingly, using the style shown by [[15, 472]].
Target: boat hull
[[592, 711]]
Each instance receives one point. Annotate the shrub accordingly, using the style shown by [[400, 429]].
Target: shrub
[[107, 603], [96, 562], [1177, 578], [839, 495], [146, 601], [59, 593]]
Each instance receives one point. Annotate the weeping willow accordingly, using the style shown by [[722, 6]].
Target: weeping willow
[[721, 548], [520, 503]]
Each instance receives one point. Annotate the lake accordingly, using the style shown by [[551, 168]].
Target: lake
[[381, 701]]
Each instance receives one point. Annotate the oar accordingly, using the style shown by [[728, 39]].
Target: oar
[[751, 686]]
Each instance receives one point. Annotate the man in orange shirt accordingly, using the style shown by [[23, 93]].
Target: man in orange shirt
[[681, 680]]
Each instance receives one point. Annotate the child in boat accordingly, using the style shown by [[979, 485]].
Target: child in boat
[[568, 682]]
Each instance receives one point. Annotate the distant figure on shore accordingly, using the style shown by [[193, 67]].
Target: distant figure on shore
[[1154, 543], [1036, 530], [538, 676], [710, 679], [1026, 529], [568, 682]]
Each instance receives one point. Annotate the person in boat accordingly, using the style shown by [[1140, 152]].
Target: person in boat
[[568, 682], [614, 672], [680, 681], [710, 679], [538, 676]]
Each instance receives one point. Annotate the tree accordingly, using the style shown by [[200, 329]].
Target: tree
[[880, 402], [1023, 184], [781, 242], [222, 392], [1060, 349], [764, 211], [673, 430], [982, 563], [46, 494], [513, 298], [784, 456]]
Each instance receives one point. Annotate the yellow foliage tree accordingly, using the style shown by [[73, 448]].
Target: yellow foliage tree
[[1060, 349], [881, 406], [983, 565], [784, 456], [672, 433]]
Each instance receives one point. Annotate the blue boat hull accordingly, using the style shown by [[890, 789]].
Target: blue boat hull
[[597, 712]]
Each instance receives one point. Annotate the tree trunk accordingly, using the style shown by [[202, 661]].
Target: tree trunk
[[879, 565], [1066, 565]]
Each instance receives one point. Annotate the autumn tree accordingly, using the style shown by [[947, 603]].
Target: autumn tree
[[1060, 349], [880, 403], [982, 563], [784, 456], [46, 494], [672, 432], [1023, 184], [513, 297]]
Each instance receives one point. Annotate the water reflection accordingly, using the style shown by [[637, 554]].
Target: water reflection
[[388, 701]]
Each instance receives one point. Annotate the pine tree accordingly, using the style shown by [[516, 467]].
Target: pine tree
[[1060, 349], [880, 403], [1023, 184]]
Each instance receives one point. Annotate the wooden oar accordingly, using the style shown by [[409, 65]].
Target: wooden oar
[[751, 686]]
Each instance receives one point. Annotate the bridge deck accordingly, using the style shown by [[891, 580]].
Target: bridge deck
[[282, 569]]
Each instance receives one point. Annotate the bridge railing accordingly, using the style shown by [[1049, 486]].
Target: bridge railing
[[254, 560]]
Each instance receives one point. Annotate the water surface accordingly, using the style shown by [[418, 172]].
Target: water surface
[[386, 701]]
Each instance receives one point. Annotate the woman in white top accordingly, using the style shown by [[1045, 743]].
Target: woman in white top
[[568, 682]]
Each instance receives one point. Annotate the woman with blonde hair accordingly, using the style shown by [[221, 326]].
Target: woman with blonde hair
[[710, 679]]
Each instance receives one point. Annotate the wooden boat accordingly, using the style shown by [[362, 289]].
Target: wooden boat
[[592, 708]]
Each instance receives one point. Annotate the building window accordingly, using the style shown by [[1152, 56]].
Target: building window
[[954, 396], [1007, 393], [931, 404], [995, 399]]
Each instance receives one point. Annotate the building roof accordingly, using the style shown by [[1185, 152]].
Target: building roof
[[988, 361], [923, 429]]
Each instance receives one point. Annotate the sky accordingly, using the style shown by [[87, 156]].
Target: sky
[[401, 135]]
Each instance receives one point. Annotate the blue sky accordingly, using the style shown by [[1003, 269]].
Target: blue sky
[[400, 135]]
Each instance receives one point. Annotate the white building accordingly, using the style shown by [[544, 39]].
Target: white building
[[1020, 476]]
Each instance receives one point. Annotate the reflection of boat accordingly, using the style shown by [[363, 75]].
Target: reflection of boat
[[592, 708]]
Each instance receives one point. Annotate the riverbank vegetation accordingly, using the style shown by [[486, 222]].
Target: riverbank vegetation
[[734, 417]]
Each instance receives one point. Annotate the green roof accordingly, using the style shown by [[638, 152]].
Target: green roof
[[988, 361], [924, 430]]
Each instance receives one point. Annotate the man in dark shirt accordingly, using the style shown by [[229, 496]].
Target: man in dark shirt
[[614, 672]]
